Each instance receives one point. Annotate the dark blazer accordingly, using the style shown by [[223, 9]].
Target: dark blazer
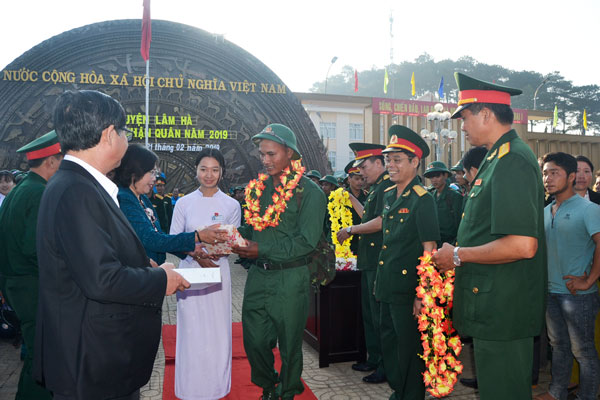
[[594, 197], [155, 243], [99, 313]]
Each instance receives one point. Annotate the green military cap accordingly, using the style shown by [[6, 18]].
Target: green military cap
[[331, 179], [161, 179], [471, 90], [362, 151], [313, 173], [458, 166], [436, 166], [403, 138], [279, 134], [351, 169], [44, 146]]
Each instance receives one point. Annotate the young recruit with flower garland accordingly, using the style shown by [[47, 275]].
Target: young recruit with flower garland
[[282, 233]]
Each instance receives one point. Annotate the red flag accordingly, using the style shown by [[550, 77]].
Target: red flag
[[146, 31], [355, 81]]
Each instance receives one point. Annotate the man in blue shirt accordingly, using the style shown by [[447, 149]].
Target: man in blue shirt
[[572, 226]]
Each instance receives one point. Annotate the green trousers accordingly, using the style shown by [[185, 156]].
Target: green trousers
[[371, 324], [401, 346], [23, 294], [274, 311], [504, 368]]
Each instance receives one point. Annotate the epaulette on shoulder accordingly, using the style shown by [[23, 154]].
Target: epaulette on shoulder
[[386, 177], [419, 190], [504, 150], [390, 188]]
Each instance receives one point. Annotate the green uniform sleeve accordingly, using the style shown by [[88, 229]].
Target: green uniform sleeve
[[457, 206], [427, 220], [302, 240], [245, 230], [30, 227], [514, 208]]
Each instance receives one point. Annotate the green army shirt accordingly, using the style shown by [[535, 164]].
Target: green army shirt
[[370, 244], [299, 228], [18, 222], [408, 221], [449, 210], [503, 301]]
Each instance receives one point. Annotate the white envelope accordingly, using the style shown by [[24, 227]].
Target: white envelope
[[200, 278]]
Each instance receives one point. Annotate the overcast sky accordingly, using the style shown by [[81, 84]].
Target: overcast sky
[[297, 39]]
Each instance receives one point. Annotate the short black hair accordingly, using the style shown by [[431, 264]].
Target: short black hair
[[38, 161], [586, 160], [213, 153], [81, 116], [562, 160], [504, 114], [7, 176], [473, 157], [374, 158], [136, 162]]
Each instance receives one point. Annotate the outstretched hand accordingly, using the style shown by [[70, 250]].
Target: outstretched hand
[[249, 251]]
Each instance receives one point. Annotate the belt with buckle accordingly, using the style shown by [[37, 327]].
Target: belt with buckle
[[268, 265]]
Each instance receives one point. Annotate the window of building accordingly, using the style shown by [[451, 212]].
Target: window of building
[[327, 130], [356, 131], [331, 158]]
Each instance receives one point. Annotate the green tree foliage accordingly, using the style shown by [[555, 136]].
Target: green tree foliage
[[571, 100]]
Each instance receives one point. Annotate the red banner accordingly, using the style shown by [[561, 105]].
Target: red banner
[[421, 108], [146, 31]]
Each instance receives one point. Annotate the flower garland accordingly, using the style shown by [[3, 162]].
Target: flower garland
[[441, 343], [289, 181], [341, 218]]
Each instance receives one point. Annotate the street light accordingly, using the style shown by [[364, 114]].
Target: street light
[[333, 60], [536, 92], [439, 137]]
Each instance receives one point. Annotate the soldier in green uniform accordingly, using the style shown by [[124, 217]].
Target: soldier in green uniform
[[409, 225], [276, 297], [18, 255], [500, 257], [314, 175], [369, 161], [163, 204], [328, 184], [459, 177], [448, 201], [357, 197]]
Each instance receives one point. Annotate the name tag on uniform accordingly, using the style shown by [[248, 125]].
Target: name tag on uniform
[[477, 182], [218, 219], [387, 207], [403, 211]]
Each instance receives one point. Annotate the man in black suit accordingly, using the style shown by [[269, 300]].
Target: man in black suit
[[99, 312], [583, 179]]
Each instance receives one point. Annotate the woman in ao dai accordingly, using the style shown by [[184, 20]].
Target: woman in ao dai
[[203, 353]]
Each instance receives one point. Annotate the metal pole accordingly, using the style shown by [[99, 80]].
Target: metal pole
[[536, 92], [147, 99]]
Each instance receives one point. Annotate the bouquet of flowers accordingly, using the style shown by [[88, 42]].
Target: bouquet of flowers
[[341, 218], [441, 343]]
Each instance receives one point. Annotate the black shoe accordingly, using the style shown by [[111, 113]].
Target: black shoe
[[469, 382], [363, 367], [268, 394], [375, 377]]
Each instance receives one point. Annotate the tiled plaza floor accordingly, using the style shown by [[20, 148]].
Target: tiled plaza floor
[[337, 382]]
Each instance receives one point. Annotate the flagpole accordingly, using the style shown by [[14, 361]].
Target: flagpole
[[147, 99]]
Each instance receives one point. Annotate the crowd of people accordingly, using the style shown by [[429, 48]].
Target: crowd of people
[[83, 257]]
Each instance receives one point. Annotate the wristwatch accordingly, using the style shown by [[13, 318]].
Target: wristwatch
[[456, 258], [349, 230]]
